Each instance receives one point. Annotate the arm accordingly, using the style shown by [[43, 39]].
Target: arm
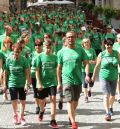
[[102, 46], [38, 79], [1, 70], [5, 73], [96, 67], [87, 69], [59, 87], [27, 73]]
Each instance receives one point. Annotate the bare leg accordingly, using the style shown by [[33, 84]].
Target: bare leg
[[14, 106], [53, 107]]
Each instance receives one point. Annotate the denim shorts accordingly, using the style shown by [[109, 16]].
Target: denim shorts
[[71, 92], [108, 87]]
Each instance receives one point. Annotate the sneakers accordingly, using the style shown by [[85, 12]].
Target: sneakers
[[1, 91], [53, 124], [74, 125], [23, 121], [37, 110], [118, 99], [40, 117], [111, 111], [108, 117], [89, 93], [60, 105], [86, 99], [15, 119]]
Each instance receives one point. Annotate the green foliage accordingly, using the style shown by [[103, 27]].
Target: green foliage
[[109, 12], [97, 10]]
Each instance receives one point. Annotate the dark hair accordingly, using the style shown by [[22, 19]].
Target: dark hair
[[17, 46], [49, 43], [38, 41], [109, 41]]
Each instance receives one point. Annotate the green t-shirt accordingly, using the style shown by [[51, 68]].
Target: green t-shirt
[[78, 42], [96, 39], [71, 62], [16, 71], [15, 36], [58, 44], [110, 35], [91, 56], [47, 65], [33, 57], [116, 46], [109, 66]]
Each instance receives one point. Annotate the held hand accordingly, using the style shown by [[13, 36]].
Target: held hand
[[87, 78], [4, 89], [92, 78], [26, 88], [59, 88]]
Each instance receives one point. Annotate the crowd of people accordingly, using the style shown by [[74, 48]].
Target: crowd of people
[[56, 50]]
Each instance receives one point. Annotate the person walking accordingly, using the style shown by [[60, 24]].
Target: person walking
[[16, 76], [38, 49], [92, 60], [116, 47], [108, 61], [69, 69], [46, 64]]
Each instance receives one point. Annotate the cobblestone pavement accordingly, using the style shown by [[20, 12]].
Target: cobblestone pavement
[[89, 115]]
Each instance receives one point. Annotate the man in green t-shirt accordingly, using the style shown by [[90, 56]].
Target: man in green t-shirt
[[116, 47], [70, 59]]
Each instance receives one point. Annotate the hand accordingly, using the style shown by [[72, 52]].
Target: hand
[[39, 87], [26, 88], [4, 89], [59, 88], [87, 78], [92, 78]]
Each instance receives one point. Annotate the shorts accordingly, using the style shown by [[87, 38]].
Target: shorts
[[108, 87], [46, 92], [71, 92], [84, 82], [17, 93], [34, 87]]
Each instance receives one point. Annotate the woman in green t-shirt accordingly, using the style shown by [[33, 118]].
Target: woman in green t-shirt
[[38, 49], [16, 76], [6, 50], [87, 86], [108, 61]]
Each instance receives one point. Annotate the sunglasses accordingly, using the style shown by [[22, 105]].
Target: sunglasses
[[38, 44], [108, 44]]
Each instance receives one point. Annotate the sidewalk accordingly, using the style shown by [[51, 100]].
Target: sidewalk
[[89, 115]]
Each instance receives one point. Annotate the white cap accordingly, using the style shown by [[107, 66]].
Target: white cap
[[83, 28]]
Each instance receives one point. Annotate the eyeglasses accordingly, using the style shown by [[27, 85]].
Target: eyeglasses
[[38, 45], [46, 37], [108, 44]]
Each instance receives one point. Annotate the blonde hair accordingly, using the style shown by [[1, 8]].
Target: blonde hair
[[86, 40]]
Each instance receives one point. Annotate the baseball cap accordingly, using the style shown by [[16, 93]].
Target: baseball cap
[[109, 26], [83, 28]]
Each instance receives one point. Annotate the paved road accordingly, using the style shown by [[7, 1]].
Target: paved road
[[89, 115]]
